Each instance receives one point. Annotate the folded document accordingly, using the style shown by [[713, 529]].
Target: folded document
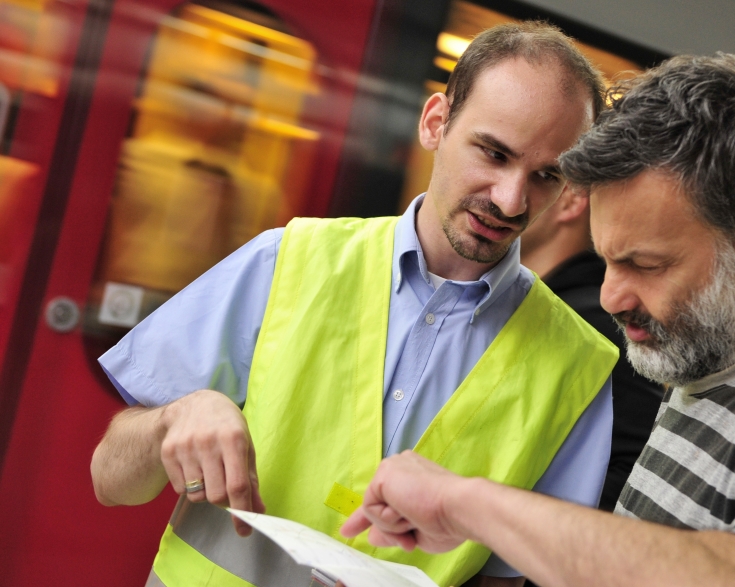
[[330, 559]]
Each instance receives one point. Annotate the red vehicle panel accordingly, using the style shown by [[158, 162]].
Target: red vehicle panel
[[54, 530]]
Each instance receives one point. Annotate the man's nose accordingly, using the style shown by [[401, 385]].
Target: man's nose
[[617, 294], [510, 194]]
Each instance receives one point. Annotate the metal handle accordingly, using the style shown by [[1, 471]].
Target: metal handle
[[62, 314]]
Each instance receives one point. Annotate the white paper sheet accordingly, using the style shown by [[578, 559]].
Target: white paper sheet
[[315, 549]]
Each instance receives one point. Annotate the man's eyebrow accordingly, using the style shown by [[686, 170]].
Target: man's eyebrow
[[553, 170], [490, 141], [633, 257]]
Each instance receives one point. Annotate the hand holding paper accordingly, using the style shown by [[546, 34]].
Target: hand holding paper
[[312, 548]]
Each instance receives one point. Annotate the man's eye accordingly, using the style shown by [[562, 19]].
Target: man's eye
[[547, 176], [647, 268], [493, 154]]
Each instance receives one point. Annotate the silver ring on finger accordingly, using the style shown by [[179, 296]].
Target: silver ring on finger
[[194, 486]]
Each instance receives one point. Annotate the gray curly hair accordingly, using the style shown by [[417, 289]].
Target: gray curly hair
[[678, 117]]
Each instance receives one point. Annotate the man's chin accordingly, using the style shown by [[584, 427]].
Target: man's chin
[[649, 343], [649, 362], [662, 367], [480, 250]]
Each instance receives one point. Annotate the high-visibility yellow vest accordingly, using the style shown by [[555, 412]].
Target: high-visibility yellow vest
[[315, 396]]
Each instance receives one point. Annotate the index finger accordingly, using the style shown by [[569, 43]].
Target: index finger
[[355, 524], [236, 460]]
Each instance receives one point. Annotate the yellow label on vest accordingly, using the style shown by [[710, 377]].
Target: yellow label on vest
[[343, 500]]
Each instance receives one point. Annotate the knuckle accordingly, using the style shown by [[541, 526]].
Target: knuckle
[[233, 436], [238, 485], [168, 450]]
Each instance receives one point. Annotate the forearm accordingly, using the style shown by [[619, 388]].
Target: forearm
[[560, 544], [126, 466]]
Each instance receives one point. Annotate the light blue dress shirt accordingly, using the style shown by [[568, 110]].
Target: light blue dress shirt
[[204, 337]]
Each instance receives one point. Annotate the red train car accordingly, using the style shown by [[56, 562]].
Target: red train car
[[141, 143]]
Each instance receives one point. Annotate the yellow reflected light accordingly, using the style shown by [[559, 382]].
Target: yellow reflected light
[[35, 5], [445, 64], [247, 27], [452, 44], [235, 43], [285, 129]]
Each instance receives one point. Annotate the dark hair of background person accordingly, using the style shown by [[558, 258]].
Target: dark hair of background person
[[536, 42], [678, 117]]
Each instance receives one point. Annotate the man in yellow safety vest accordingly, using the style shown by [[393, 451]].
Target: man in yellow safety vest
[[349, 340]]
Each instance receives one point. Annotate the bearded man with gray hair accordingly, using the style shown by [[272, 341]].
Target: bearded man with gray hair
[[673, 135], [660, 167]]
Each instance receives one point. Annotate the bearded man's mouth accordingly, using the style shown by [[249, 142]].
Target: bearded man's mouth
[[636, 326]]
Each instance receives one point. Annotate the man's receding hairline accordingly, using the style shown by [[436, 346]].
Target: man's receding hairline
[[568, 84]]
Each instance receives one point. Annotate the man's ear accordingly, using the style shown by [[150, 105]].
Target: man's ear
[[433, 119], [573, 202]]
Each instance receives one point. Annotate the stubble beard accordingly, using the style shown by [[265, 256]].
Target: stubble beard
[[699, 337], [475, 247]]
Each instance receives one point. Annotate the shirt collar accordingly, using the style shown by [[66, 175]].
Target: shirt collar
[[498, 279], [725, 377]]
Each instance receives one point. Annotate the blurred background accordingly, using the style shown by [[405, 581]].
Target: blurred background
[[141, 142]]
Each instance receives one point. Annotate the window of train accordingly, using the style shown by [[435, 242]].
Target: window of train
[[464, 21], [214, 156], [33, 38]]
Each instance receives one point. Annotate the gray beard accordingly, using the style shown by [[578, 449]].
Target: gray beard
[[699, 339]]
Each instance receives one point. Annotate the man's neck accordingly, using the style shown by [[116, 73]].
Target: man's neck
[[544, 259]]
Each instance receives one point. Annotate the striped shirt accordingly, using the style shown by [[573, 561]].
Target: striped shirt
[[685, 476]]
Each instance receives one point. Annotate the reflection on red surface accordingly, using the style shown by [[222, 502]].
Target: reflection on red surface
[[54, 531], [18, 183]]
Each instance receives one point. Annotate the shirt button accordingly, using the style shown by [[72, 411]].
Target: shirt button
[[430, 318], [398, 395]]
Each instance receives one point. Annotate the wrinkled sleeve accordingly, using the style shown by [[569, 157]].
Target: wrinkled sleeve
[[204, 336]]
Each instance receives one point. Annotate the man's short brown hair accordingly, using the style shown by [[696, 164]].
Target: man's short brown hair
[[536, 42]]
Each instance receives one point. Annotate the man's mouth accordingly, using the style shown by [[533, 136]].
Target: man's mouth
[[489, 228], [636, 333], [637, 326]]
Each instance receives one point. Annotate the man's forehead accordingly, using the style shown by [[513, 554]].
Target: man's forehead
[[523, 106], [645, 192], [542, 67], [646, 213]]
